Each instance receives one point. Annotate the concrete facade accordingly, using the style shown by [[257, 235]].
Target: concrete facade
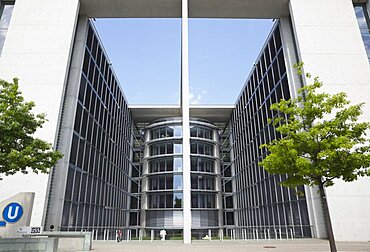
[[63, 142], [44, 51], [37, 50], [185, 120], [197, 8], [29, 244], [303, 245], [330, 44]]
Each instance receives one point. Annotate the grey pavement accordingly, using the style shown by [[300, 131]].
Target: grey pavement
[[229, 246]]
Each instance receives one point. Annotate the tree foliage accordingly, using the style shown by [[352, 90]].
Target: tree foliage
[[19, 150], [322, 139]]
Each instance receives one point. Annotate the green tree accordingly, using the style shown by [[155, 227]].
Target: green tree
[[19, 150], [322, 140]]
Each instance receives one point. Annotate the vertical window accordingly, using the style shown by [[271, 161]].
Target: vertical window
[[178, 148], [177, 182], [177, 200], [178, 131], [364, 24], [6, 11], [177, 164]]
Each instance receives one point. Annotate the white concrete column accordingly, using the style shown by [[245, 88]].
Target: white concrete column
[[144, 182], [290, 55], [329, 43], [218, 182], [53, 209], [233, 182], [186, 201], [37, 50]]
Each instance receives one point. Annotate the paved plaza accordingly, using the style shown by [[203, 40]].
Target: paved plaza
[[229, 246]]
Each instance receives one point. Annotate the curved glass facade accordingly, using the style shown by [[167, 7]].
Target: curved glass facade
[[167, 147], [163, 178], [205, 178], [201, 164]]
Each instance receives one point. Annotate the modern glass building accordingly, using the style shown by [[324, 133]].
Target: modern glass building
[[191, 170], [229, 191], [98, 177], [261, 203]]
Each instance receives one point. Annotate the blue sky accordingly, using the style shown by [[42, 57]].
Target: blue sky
[[146, 57]]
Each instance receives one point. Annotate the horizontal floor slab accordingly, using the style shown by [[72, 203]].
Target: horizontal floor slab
[[197, 8], [150, 113]]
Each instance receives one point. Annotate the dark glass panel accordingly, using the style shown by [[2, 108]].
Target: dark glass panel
[[177, 200], [78, 118], [285, 88], [76, 186], [74, 148], [69, 184], [277, 39], [281, 63], [80, 156], [85, 66], [272, 48]]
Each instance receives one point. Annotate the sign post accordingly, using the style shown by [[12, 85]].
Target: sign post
[[15, 216]]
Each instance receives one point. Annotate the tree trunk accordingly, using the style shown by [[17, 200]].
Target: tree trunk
[[327, 219]]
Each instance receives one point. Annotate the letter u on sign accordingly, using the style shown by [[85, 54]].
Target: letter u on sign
[[12, 212]]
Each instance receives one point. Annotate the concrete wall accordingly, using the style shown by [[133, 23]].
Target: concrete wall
[[330, 45], [29, 244], [58, 176], [37, 51], [290, 53]]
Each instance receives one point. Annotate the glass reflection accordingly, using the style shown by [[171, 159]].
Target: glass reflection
[[177, 200], [166, 132], [165, 200], [364, 24], [5, 16], [177, 164], [202, 165], [178, 131], [178, 148], [201, 148], [4, 23], [201, 200], [177, 182], [197, 131], [161, 165], [200, 182]]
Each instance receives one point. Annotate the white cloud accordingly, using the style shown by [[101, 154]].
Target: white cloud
[[196, 95]]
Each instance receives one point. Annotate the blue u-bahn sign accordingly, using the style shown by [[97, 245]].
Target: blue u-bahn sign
[[11, 213]]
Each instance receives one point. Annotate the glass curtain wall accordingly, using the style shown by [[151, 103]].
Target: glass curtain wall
[[262, 205], [363, 21], [205, 179], [6, 11], [98, 182], [162, 177]]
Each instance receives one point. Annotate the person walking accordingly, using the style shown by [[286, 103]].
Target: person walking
[[163, 234], [119, 235]]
